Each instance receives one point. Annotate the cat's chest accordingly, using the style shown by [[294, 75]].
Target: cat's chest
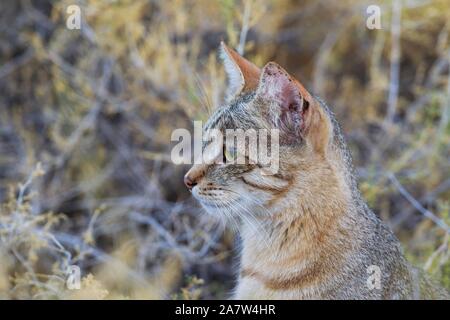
[[254, 289]]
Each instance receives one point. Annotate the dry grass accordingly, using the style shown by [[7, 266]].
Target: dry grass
[[95, 109]]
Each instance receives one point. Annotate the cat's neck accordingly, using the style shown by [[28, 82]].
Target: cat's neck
[[297, 225], [311, 229], [299, 236]]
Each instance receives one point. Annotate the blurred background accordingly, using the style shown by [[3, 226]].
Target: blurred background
[[86, 117]]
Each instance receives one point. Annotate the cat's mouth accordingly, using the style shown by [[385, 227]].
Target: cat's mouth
[[212, 201]]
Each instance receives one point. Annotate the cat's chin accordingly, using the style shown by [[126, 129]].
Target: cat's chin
[[213, 208], [218, 210]]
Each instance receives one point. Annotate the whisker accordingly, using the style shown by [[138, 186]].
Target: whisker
[[251, 219], [254, 201]]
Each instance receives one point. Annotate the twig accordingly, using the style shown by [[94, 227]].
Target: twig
[[12, 65], [427, 213], [395, 61], [445, 104], [321, 60], [245, 26], [434, 255], [433, 77]]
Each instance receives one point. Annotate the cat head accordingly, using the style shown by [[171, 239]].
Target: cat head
[[258, 99]]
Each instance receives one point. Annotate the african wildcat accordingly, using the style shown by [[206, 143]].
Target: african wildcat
[[306, 231]]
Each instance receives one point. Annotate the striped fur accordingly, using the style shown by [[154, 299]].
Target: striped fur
[[306, 231]]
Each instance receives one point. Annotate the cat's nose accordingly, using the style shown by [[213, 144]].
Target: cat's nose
[[189, 182]]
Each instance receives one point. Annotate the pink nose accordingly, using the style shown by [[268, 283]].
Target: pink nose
[[189, 182]]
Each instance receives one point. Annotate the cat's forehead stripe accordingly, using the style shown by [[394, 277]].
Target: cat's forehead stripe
[[214, 120], [226, 114], [221, 117]]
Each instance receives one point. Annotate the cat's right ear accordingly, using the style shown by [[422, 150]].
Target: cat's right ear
[[242, 74], [294, 110]]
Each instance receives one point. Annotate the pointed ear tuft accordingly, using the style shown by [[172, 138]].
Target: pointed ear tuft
[[242, 74]]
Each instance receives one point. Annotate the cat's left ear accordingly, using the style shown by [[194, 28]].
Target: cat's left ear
[[242, 74], [292, 109]]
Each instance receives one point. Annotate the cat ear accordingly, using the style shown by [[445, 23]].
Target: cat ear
[[293, 109], [242, 74]]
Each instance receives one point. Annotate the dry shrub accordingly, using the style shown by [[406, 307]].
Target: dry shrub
[[97, 106]]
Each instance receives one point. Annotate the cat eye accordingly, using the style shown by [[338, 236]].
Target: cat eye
[[229, 154]]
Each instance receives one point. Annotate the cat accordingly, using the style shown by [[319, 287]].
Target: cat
[[306, 231]]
